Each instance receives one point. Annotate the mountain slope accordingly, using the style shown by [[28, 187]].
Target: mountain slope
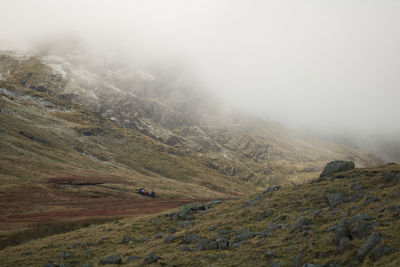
[[165, 107], [346, 219]]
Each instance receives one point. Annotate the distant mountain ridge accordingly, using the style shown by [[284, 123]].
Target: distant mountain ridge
[[164, 107]]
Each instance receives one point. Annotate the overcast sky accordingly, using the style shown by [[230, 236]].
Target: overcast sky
[[324, 65]]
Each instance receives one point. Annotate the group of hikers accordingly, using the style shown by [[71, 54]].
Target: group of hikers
[[146, 193]]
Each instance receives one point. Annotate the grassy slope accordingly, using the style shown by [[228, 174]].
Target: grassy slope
[[287, 206]]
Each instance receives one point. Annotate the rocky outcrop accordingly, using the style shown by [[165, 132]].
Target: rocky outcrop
[[337, 166]]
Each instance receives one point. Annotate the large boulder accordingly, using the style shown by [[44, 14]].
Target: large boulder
[[337, 166]]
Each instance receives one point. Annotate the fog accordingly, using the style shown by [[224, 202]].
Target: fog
[[325, 67]]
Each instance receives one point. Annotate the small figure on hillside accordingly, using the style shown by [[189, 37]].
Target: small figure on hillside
[[153, 194], [147, 193], [141, 191]]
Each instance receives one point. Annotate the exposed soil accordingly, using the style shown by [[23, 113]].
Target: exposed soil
[[48, 202]]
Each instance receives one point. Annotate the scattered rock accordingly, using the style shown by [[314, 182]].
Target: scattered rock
[[133, 258], [271, 189], [388, 176], [66, 254], [363, 217], [335, 199], [254, 201], [368, 245], [185, 248], [361, 229], [171, 230], [216, 202], [202, 245], [245, 236], [269, 255], [213, 228], [300, 223], [184, 224], [151, 258], [222, 242], [342, 231], [344, 244], [370, 199], [211, 245], [191, 239], [380, 251], [126, 239], [113, 259], [170, 239], [337, 166], [238, 244]]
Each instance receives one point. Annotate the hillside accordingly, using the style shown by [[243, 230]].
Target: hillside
[[78, 140], [343, 219]]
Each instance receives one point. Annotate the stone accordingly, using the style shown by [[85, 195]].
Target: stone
[[370, 199], [222, 242], [213, 228], [171, 230], [361, 229], [211, 245], [337, 166], [191, 239], [126, 239], [344, 244], [363, 217], [298, 259], [185, 248], [254, 201], [245, 236], [133, 258], [368, 245], [202, 245], [380, 251], [272, 189], [388, 176], [113, 259], [223, 232], [272, 226], [341, 231], [335, 199], [269, 255], [238, 244], [170, 239], [300, 223], [151, 258], [184, 224], [216, 202], [66, 254]]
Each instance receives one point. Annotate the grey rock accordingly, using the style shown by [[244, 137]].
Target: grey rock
[[211, 245], [171, 230], [362, 229], [254, 201], [245, 236], [298, 260], [133, 258], [370, 199], [171, 239], [223, 232], [185, 248], [362, 217], [380, 251], [113, 259], [265, 215], [145, 239], [337, 166], [202, 245], [184, 224], [191, 239], [335, 199], [300, 223], [272, 189], [388, 176], [344, 244], [222, 242], [342, 231], [216, 202], [355, 198], [151, 258], [368, 245], [66, 254], [213, 228], [271, 227], [155, 221], [270, 254], [126, 239], [238, 244]]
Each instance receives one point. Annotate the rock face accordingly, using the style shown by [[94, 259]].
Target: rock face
[[337, 166]]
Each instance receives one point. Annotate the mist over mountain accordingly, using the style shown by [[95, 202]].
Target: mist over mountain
[[328, 68]]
